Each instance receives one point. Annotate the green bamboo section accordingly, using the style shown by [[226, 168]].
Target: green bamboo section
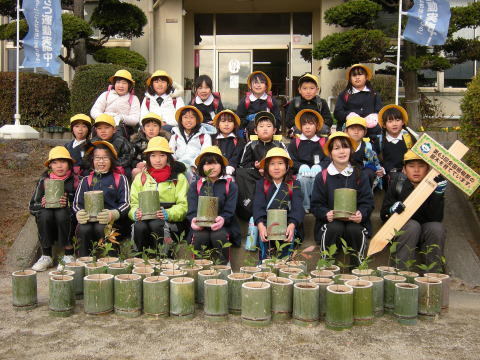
[[445, 279], [61, 297], [119, 269], [78, 269], [149, 203], [362, 301], [54, 190], [223, 270], [298, 264], [406, 303], [344, 203], [98, 294], [182, 297], [263, 276], [386, 270], [202, 276], [322, 295], [85, 259], [429, 297], [128, 295], [144, 272], [93, 203], [287, 271], [235, 282], [61, 272], [204, 263], [192, 271], [339, 307], [250, 269], [306, 304], [333, 268], [343, 278], [267, 267], [256, 303], [216, 299], [282, 297], [377, 296], [109, 260], [95, 268], [133, 261], [24, 290], [156, 296], [207, 210], [322, 274], [278, 267], [298, 278], [276, 224], [409, 275], [362, 272], [389, 291]]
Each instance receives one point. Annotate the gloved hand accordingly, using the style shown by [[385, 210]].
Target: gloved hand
[[105, 216], [372, 120], [398, 208], [219, 221], [304, 170], [352, 114], [251, 117], [315, 170], [441, 184], [229, 170], [82, 216], [165, 214], [118, 119]]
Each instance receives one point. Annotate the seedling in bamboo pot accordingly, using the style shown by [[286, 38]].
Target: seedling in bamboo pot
[[406, 303], [339, 307], [256, 303], [277, 218], [235, 282], [216, 299], [61, 299], [363, 313], [363, 269], [156, 296], [327, 260], [98, 294], [78, 269], [429, 297], [282, 298], [54, 190], [322, 294], [182, 298], [445, 288], [24, 289], [344, 203], [128, 295], [306, 306], [207, 208]]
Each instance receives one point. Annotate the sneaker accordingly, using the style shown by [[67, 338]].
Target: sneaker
[[43, 263], [66, 259]]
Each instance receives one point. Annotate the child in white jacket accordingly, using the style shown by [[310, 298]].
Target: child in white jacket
[[189, 138], [120, 102], [162, 98]]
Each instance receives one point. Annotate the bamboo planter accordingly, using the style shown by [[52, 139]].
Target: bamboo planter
[[61, 297], [109, 260], [344, 203], [389, 291], [162, 267], [24, 290], [182, 297], [98, 294], [278, 267], [128, 295], [298, 264], [78, 269], [306, 304], [216, 299], [133, 261], [363, 272], [429, 297], [445, 279], [156, 296], [207, 210], [287, 271], [362, 301], [406, 303], [282, 298], [202, 276], [95, 268], [172, 274], [85, 259], [250, 269], [54, 190], [386, 270], [192, 271], [298, 278], [343, 278], [149, 203], [339, 304], [204, 263], [377, 296], [119, 269], [263, 276], [235, 282], [60, 273], [322, 274], [93, 203], [333, 268], [409, 275], [276, 224], [322, 295], [223, 271], [144, 272], [256, 303]]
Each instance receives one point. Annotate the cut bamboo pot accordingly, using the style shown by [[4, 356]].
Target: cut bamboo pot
[[298, 264], [287, 271], [256, 303], [216, 299], [162, 267], [343, 278], [144, 272], [192, 271], [235, 282], [85, 259], [339, 304], [223, 270], [133, 261], [202, 276], [119, 269], [128, 295], [207, 210], [409, 275], [298, 278], [322, 295], [378, 283], [362, 301], [362, 272], [109, 260], [276, 224], [282, 297], [95, 268], [149, 203], [306, 304], [429, 297], [445, 279], [278, 267], [172, 274], [204, 263], [24, 290], [182, 297], [156, 296], [54, 190], [333, 268], [60, 272], [78, 269], [250, 269], [61, 297], [386, 270], [98, 294], [406, 303], [322, 274], [93, 203], [263, 276], [344, 203], [389, 291]]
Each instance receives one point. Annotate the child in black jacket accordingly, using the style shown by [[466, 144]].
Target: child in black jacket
[[81, 128], [205, 100], [341, 174]]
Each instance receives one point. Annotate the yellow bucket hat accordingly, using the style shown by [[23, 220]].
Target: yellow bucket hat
[[277, 152], [364, 67], [216, 119], [249, 80], [107, 144], [319, 117], [312, 77], [158, 143], [392, 106], [58, 152], [410, 155], [152, 116], [81, 117], [335, 135], [124, 74], [356, 120], [104, 119], [159, 73], [211, 150], [179, 111]]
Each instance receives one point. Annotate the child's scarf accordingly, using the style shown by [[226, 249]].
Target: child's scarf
[[55, 177], [160, 175]]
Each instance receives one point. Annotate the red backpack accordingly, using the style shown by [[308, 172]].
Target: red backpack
[[269, 100], [227, 186], [147, 103], [116, 177], [130, 99], [267, 184], [321, 142]]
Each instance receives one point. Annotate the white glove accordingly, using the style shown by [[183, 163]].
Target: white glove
[[372, 120], [229, 170], [304, 170], [82, 216], [352, 114], [118, 119], [315, 170]]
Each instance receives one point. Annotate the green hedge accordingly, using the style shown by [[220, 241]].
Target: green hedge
[[470, 130], [91, 80], [44, 99], [121, 56]]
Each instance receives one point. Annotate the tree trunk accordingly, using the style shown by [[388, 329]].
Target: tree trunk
[[80, 50], [412, 98]]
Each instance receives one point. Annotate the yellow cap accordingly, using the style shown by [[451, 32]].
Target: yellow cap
[[356, 120], [311, 76], [319, 117], [158, 143], [211, 150], [104, 119], [152, 116], [276, 152], [249, 80], [364, 67], [179, 111], [335, 135], [81, 117], [124, 74], [216, 119], [392, 106], [410, 155], [159, 73], [58, 152], [103, 142]]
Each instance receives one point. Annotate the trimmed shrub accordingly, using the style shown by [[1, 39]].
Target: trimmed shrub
[[44, 99], [121, 56], [91, 80]]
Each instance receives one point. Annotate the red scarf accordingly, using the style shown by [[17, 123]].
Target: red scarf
[[160, 175], [55, 177]]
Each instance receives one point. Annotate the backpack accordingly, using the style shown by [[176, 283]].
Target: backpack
[[407, 138], [346, 95], [321, 142], [201, 137], [298, 99], [116, 178], [130, 99], [269, 100], [227, 186], [267, 184], [147, 103], [254, 140], [216, 101], [325, 172]]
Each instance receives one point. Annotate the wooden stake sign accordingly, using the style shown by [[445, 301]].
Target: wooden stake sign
[[442, 161]]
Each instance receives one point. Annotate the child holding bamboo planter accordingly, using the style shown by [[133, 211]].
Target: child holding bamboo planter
[[51, 206], [116, 197], [81, 128], [277, 190], [163, 176], [340, 174], [211, 166]]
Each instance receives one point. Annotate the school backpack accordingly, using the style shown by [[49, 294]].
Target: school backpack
[[201, 137], [346, 95], [407, 138], [298, 100], [116, 178], [227, 185], [267, 184], [216, 101], [321, 142], [130, 99], [269, 100]]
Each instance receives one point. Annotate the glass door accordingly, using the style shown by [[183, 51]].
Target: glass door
[[232, 71]]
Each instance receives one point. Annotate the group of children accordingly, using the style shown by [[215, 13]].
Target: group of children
[[186, 151]]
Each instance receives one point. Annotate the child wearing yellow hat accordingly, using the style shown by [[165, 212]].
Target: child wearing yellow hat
[[424, 231], [55, 221], [205, 100], [81, 128]]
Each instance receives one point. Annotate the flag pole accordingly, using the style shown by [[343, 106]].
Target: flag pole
[[399, 35], [17, 77]]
